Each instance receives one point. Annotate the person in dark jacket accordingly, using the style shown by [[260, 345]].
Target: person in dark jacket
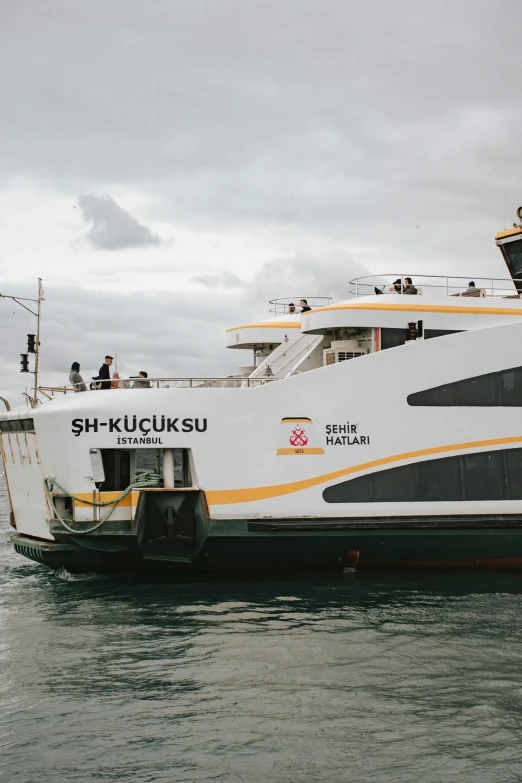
[[104, 375], [409, 288], [304, 305], [76, 379]]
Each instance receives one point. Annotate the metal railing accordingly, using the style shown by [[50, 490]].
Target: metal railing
[[231, 382], [450, 285], [280, 305]]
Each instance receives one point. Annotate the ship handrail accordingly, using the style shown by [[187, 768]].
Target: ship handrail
[[453, 285], [280, 305], [232, 381], [299, 353]]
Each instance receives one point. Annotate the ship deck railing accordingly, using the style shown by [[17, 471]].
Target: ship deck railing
[[443, 285], [231, 382], [280, 305]]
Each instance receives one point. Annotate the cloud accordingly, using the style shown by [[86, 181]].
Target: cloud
[[223, 280], [113, 228]]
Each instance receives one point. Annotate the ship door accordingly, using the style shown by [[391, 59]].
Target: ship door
[[24, 477]]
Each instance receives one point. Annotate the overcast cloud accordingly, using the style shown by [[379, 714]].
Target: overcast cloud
[[270, 138], [112, 227]]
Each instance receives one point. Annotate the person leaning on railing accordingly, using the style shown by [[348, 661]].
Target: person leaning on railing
[[142, 382]]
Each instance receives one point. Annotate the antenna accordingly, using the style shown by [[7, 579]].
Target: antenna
[[37, 346], [505, 210]]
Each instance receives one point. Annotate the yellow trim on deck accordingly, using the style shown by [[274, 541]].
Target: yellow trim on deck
[[268, 325], [360, 305], [220, 497]]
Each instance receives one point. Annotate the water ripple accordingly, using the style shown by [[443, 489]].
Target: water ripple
[[415, 680]]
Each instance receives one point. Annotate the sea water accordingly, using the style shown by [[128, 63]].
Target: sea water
[[343, 678]]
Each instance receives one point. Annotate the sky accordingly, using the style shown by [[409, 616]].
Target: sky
[[168, 167]]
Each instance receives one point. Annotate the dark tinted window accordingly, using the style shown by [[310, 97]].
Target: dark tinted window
[[116, 466], [482, 390], [355, 491], [484, 476], [514, 473], [394, 485], [429, 334], [510, 382], [440, 395], [391, 338], [512, 252], [494, 475], [439, 479], [494, 388], [17, 425]]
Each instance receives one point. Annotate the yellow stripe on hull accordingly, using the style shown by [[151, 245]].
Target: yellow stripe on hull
[[129, 500], [298, 451]]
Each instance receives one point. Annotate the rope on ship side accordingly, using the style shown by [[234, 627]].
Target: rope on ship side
[[143, 480]]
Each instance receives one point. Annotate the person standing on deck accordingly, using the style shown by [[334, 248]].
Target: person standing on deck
[[76, 379], [104, 374]]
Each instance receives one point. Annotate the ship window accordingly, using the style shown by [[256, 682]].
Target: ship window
[[483, 476], [429, 334], [355, 491], [511, 386], [116, 467], [482, 390], [391, 338], [17, 425], [514, 473], [502, 388], [440, 395], [394, 485], [439, 479], [479, 476], [512, 252]]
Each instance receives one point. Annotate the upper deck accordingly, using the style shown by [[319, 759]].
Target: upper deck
[[441, 302]]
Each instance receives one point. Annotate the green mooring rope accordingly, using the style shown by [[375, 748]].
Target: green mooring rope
[[143, 480]]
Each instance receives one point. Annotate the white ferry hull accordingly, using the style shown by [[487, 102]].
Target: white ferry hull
[[269, 467]]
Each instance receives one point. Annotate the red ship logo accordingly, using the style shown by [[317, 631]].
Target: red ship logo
[[298, 437]]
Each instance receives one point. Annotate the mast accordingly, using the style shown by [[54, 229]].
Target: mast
[[33, 341], [37, 346]]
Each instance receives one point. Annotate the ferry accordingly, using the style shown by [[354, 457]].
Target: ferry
[[382, 431]]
